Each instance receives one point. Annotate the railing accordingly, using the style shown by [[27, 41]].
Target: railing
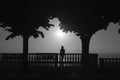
[[53, 59], [42, 57], [6, 58], [109, 62], [71, 58]]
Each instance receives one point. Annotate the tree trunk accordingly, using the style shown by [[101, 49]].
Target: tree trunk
[[85, 44], [85, 39], [25, 54]]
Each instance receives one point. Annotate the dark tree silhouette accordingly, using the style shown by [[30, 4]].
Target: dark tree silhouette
[[23, 18], [85, 18]]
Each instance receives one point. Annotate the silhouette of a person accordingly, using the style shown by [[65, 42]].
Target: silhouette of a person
[[62, 52]]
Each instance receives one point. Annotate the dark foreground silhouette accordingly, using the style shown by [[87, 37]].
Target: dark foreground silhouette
[[46, 66]]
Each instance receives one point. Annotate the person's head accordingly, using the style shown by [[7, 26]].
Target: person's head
[[62, 47]]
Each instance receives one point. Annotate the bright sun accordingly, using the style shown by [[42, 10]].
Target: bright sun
[[60, 33]]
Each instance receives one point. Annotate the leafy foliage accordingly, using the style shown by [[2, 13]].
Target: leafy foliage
[[25, 17], [87, 17]]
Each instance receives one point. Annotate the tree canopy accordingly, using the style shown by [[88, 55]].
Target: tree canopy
[[25, 17], [87, 17]]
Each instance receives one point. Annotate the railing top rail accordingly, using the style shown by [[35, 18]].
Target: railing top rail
[[109, 58], [44, 53]]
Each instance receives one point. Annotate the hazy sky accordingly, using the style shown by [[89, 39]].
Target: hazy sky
[[103, 42]]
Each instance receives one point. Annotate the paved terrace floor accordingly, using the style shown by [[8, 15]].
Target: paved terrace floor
[[36, 72]]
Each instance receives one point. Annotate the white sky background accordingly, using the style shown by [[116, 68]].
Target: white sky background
[[106, 43]]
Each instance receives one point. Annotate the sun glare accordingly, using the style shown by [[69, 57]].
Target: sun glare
[[60, 33]]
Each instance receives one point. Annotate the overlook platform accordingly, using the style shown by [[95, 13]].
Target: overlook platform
[[49, 65]]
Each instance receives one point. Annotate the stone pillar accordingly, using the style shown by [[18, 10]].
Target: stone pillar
[[89, 62]]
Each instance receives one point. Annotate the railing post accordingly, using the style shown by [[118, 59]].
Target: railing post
[[56, 60]]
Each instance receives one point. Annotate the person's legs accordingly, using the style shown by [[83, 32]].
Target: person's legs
[[62, 60]]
